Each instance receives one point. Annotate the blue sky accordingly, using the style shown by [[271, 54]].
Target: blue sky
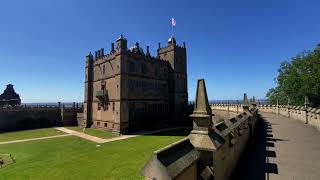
[[236, 46]]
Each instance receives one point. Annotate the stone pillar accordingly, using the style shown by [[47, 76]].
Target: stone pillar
[[202, 135], [306, 105], [254, 102], [245, 105]]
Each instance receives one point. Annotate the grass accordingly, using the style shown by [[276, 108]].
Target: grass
[[29, 134], [94, 132], [74, 158]]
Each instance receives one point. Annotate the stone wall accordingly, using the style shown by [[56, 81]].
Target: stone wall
[[306, 115], [212, 149], [19, 118]]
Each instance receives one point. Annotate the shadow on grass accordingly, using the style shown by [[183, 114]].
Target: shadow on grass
[[254, 163]]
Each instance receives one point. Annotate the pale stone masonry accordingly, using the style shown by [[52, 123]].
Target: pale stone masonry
[[212, 149], [306, 114], [128, 89]]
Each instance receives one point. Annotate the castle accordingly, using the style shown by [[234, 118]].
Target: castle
[[127, 89]]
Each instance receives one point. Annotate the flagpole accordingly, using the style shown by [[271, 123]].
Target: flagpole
[[171, 28]]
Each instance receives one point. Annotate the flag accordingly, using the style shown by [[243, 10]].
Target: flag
[[173, 22]]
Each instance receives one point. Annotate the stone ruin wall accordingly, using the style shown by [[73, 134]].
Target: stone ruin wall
[[307, 115], [20, 118]]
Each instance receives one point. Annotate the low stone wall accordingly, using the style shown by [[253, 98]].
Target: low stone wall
[[306, 115], [19, 118]]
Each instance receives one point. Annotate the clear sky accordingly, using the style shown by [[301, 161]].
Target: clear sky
[[236, 46]]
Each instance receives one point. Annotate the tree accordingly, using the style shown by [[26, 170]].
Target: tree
[[298, 78]]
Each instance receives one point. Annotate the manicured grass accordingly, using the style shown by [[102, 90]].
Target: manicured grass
[[35, 133], [94, 132], [74, 158]]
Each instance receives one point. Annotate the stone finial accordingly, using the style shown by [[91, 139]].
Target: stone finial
[[184, 45], [112, 47], [102, 51], [148, 53], [201, 137], [201, 104], [159, 45], [245, 103], [254, 102], [89, 56], [306, 101]]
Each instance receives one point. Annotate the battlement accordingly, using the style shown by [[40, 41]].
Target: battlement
[[305, 114], [136, 50]]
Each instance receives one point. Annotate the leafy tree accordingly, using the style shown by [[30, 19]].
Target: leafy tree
[[298, 78]]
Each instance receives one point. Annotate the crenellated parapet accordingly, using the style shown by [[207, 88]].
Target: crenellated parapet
[[305, 114], [212, 149]]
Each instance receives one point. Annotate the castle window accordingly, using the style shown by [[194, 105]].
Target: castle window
[[105, 124], [131, 66], [98, 123], [113, 106], [131, 85], [99, 106], [143, 69]]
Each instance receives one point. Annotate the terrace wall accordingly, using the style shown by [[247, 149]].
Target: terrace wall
[[19, 118]]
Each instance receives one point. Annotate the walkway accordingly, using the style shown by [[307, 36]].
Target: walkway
[[33, 139], [100, 140], [282, 149]]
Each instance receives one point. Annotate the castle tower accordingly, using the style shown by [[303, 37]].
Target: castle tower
[[88, 96], [178, 93]]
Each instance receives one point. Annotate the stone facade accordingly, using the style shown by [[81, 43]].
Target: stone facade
[[128, 89], [9, 97]]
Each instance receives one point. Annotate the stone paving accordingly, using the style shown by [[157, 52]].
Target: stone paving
[[282, 149]]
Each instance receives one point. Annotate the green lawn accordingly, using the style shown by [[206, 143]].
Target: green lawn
[[74, 158], [29, 134], [94, 132]]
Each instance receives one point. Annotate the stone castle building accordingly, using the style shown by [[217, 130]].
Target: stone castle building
[[127, 89], [9, 97]]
